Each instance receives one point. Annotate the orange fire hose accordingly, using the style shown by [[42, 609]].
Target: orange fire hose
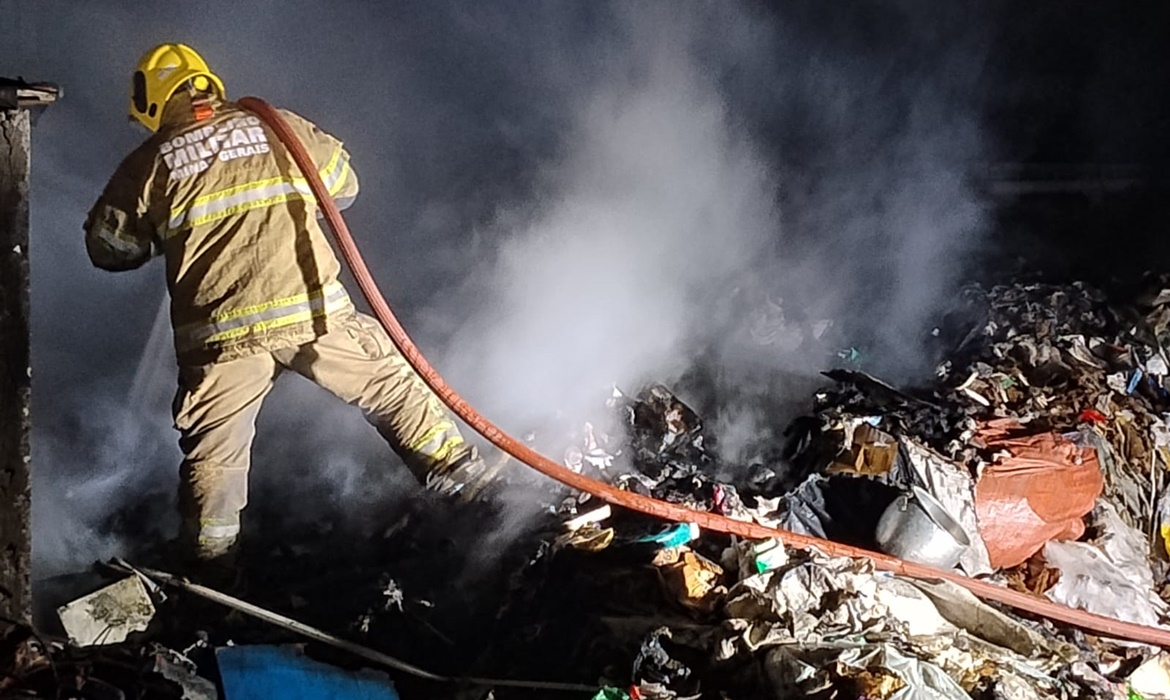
[[650, 506]]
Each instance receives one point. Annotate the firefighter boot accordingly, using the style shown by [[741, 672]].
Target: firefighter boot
[[468, 479], [212, 561]]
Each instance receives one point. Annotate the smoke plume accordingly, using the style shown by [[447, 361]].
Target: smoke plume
[[729, 204], [557, 198]]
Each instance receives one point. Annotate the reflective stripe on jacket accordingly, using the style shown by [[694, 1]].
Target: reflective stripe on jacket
[[248, 266]]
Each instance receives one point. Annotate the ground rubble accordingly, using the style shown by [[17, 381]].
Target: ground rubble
[[1042, 437]]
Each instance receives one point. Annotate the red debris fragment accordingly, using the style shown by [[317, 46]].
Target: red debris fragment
[[1090, 415]]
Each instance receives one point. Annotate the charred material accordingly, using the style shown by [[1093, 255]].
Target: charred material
[[15, 131]]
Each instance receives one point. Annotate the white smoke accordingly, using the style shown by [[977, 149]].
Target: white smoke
[[555, 200], [121, 464], [657, 206], [657, 243]]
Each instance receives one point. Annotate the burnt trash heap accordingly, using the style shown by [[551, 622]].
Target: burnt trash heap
[[1033, 459]]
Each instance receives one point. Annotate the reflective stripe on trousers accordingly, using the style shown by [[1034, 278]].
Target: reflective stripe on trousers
[[438, 442], [263, 317], [216, 529]]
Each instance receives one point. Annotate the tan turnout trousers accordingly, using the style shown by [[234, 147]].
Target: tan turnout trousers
[[217, 404]]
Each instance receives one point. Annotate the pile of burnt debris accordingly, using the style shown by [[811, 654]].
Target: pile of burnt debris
[[1033, 460]]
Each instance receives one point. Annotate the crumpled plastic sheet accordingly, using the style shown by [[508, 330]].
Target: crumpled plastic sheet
[[1037, 490], [825, 598], [1111, 578], [967, 612], [954, 488], [989, 640], [1124, 545], [915, 610], [805, 512], [826, 604], [1089, 581], [817, 609], [924, 680]]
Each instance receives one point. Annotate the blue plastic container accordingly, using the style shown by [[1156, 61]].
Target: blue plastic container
[[268, 672]]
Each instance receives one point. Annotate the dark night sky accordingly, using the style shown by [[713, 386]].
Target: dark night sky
[[518, 152]]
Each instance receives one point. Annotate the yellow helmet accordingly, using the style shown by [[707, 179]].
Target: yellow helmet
[[160, 72]]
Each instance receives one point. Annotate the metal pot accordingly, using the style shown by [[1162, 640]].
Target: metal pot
[[917, 528]]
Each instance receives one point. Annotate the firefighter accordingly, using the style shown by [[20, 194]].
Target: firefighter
[[254, 292]]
